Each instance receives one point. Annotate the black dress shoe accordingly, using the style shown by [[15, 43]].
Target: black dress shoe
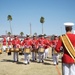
[[42, 61], [25, 63], [28, 63], [35, 58], [17, 60], [32, 60], [54, 64], [57, 63], [39, 62]]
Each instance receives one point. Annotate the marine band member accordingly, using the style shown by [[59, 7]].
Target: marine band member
[[27, 43], [16, 44], [67, 60]]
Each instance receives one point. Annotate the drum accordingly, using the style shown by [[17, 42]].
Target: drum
[[41, 50], [7, 50], [36, 50], [55, 52], [0, 51], [12, 49], [20, 51], [16, 49], [32, 50], [27, 50]]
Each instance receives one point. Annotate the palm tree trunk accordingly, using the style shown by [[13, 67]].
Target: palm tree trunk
[[42, 28], [10, 27]]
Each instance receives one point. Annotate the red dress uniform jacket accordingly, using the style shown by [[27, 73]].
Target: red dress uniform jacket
[[27, 43], [47, 43], [4, 41], [66, 57], [35, 44], [16, 43], [9, 42], [54, 43], [41, 42]]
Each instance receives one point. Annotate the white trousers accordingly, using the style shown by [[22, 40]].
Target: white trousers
[[40, 57], [33, 56], [27, 57], [9, 46], [4, 48], [15, 56], [55, 58], [68, 69], [46, 53]]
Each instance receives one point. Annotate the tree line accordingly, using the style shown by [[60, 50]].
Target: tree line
[[9, 18]]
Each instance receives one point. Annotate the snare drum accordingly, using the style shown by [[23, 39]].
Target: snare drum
[[20, 51], [0, 51], [16, 49], [27, 50], [12, 49], [55, 52], [7, 50], [41, 50]]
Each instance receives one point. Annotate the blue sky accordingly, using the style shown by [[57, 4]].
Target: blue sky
[[24, 12]]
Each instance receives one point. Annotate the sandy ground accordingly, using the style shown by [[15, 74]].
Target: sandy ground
[[7, 67]]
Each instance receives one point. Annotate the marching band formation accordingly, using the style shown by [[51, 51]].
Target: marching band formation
[[37, 47]]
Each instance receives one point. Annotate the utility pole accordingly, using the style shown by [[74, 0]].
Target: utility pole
[[61, 30], [30, 30], [6, 32]]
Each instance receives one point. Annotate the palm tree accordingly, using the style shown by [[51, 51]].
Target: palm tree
[[21, 33], [42, 21], [9, 18], [9, 33]]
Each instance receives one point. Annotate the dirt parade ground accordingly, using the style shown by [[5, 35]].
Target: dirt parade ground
[[8, 67]]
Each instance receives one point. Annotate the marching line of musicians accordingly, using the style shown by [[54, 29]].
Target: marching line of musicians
[[35, 45]]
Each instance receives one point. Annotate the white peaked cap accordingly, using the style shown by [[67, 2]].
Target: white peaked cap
[[68, 24], [8, 38]]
